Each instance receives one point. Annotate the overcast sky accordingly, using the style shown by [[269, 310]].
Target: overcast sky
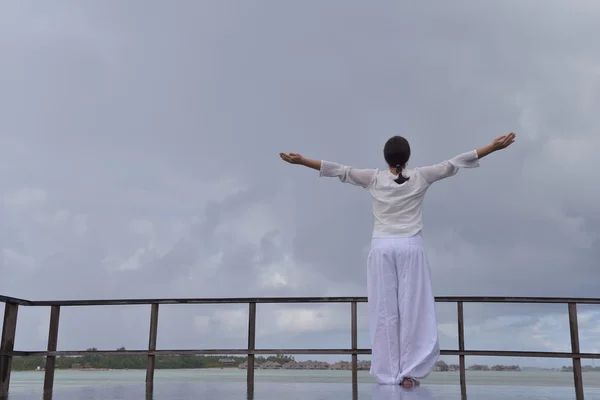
[[139, 146]]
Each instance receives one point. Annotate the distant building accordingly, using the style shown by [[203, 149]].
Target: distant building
[[292, 365], [341, 365], [364, 365], [270, 365], [441, 366], [244, 365]]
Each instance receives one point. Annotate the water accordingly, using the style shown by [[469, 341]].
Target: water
[[230, 384]]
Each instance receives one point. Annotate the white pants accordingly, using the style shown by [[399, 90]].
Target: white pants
[[403, 328]]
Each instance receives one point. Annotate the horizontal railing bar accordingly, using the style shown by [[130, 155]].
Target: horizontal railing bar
[[235, 300], [190, 352], [473, 353], [519, 300], [523, 354], [14, 300], [286, 300]]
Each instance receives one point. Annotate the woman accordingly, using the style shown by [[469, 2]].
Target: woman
[[402, 321]]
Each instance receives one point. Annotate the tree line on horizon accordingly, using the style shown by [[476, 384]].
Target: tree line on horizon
[[584, 368], [115, 361]]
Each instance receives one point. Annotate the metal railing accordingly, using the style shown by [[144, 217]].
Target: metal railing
[[12, 305]]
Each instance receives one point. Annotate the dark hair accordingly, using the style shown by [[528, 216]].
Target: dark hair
[[396, 153]]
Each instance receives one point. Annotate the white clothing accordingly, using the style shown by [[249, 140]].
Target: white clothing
[[403, 327], [398, 208], [402, 321]]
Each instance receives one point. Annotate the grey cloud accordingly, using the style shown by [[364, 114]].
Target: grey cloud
[[175, 116]]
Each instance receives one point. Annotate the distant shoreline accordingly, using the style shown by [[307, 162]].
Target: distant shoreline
[[527, 370]]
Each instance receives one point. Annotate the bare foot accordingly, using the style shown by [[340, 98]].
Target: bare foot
[[409, 383]]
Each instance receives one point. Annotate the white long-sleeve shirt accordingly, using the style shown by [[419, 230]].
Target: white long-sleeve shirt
[[397, 209]]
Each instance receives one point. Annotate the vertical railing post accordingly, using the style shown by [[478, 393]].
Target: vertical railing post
[[151, 361], [251, 346], [577, 373], [461, 347], [354, 333], [7, 345], [52, 344]]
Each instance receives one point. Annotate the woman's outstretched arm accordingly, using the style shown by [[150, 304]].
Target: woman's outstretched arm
[[346, 174], [469, 159]]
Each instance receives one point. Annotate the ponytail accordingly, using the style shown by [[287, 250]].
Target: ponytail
[[401, 178]]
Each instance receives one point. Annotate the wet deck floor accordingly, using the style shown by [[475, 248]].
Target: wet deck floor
[[300, 391]]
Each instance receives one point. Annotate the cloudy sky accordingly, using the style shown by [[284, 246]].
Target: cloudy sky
[[139, 146]]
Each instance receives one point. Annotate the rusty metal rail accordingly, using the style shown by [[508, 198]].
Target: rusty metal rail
[[7, 351]]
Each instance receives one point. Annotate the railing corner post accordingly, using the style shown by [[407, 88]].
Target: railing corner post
[[7, 345]]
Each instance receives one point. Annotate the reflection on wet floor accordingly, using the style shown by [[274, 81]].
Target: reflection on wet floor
[[388, 392], [299, 391]]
